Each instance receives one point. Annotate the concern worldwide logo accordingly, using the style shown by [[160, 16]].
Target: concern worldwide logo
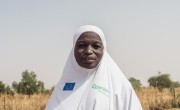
[[101, 89]]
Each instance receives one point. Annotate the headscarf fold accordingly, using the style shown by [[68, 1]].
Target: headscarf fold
[[102, 88]]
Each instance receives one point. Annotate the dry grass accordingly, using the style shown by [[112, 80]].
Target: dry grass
[[23, 102], [150, 98], [153, 99]]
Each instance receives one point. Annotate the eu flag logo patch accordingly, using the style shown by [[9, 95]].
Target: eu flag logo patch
[[68, 86]]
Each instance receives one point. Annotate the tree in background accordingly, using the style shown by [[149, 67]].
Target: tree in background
[[160, 81], [153, 81], [175, 94], [135, 83], [28, 84], [175, 84], [2, 88], [40, 87], [5, 89], [8, 90]]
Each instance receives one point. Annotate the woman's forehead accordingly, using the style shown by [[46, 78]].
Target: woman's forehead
[[89, 28], [89, 36]]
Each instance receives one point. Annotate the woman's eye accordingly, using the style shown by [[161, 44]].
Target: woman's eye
[[96, 46], [81, 45]]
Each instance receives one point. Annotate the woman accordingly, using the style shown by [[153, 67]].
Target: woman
[[91, 80]]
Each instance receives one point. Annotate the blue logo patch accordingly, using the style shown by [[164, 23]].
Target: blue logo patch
[[68, 86]]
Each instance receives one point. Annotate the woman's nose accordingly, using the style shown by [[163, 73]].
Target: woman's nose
[[89, 50]]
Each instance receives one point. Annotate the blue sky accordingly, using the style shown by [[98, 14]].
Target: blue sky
[[142, 36]]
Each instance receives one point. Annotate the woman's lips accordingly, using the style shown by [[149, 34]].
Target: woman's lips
[[88, 60]]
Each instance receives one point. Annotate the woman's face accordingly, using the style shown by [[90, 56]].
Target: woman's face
[[88, 50]]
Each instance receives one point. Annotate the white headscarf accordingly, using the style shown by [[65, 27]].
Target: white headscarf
[[101, 88]]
